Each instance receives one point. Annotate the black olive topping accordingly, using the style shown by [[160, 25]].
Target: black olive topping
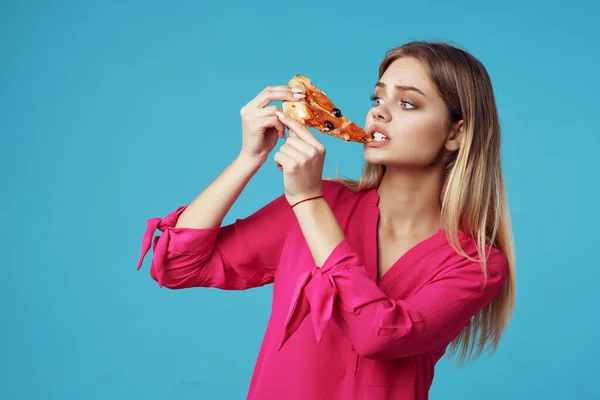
[[329, 125], [337, 112]]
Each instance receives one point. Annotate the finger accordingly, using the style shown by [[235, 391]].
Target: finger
[[276, 159], [270, 121], [284, 162], [297, 143], [300, 130], [293, 153], [267, 111], [275, 93]]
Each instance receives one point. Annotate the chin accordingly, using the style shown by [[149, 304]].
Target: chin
[[376, 160]]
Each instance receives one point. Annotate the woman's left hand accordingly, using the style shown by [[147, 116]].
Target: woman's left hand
[[301, 159]]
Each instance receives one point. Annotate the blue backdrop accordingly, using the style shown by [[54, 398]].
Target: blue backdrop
[[114, 112]]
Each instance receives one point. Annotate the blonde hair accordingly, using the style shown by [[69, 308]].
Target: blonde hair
[[473, 197]]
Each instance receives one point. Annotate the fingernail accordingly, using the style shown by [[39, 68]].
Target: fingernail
[[299, 95], [296, 90], [280, 114]]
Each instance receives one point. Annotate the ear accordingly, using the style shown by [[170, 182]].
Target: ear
[[455, 136]]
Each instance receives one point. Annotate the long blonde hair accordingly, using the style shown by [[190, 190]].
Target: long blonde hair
[[473, 197]]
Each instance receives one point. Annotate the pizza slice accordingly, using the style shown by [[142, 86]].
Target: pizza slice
[[317, 111]]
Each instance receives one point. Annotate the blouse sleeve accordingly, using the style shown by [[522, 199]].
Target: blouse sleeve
[[241, 255], [383, 328]]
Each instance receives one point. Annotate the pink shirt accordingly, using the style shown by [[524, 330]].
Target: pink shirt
[[335, 332]]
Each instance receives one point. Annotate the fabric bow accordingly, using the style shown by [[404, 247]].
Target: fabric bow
[[315, 294], [159, 247]]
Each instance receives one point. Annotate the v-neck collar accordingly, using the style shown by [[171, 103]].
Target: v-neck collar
[[412, 255]]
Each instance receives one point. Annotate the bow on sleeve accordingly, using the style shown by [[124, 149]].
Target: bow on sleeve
[[318, 289], [315, 292], [159, 247]]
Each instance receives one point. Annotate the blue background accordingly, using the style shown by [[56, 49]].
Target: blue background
[[115, 112]]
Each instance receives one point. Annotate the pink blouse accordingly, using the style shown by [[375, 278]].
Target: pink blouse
[[335, 332]]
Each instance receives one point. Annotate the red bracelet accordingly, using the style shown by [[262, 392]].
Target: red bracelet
[[311, 198]]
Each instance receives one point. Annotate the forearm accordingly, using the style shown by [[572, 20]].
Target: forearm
[[210, 207], [319, 227]]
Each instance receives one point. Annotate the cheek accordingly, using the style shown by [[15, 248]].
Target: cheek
[[421, 128], [418, 140]]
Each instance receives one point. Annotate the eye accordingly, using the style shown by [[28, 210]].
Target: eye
[[375, 99], [410, 105]]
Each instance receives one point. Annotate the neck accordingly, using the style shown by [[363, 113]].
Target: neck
[[410, 200]]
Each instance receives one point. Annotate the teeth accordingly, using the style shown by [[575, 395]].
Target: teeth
[[379, 137]]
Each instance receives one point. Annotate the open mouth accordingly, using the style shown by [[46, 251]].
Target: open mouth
[[379, 137]]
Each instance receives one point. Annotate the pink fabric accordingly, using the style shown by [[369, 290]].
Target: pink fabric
[[366, 338]]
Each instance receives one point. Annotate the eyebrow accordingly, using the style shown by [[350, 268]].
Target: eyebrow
[[401, 87]]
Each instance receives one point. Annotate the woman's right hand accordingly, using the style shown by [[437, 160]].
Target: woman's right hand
[[260, 125]]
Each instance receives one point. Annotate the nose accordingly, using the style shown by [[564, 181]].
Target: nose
[[379, 113]]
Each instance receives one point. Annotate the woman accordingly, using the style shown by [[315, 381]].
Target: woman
[[373, 279]]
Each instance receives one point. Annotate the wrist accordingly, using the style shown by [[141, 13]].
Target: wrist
[[298, 201], [249, 162]]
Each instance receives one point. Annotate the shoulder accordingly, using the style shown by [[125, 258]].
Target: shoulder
[[497, 261], [497, 264]]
